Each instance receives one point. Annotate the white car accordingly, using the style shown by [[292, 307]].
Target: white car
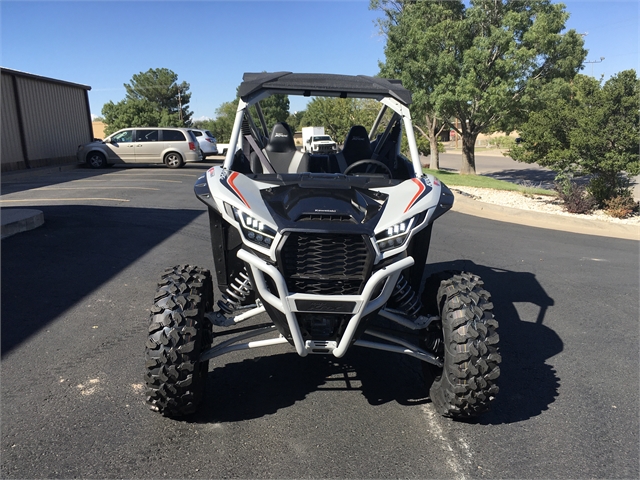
[[208, 143]]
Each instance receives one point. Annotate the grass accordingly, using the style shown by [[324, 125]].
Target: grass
[[481, 181]]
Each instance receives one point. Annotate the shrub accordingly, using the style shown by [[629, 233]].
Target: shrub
[[603, 187], [575, 198], [621, 206], [503, 142]]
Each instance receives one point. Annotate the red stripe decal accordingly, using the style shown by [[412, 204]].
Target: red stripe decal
[[232, 177], [421, 188]]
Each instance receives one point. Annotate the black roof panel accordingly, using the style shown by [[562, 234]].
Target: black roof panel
[[319, 84]]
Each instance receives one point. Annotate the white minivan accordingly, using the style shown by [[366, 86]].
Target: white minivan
[[171, 146]]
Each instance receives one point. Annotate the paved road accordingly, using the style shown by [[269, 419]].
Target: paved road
[[498, 166], [75, 299]]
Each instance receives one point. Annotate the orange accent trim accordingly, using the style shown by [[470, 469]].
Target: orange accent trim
[[232, 177], [421, 188]]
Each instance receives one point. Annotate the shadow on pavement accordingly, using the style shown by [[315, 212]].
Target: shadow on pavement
[[20, 181], [257, 387], [532, 177], [79, 248], [528, 385], [527, 177]]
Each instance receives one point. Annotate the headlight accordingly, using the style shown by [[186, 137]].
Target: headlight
[[395, 236], [254, 230]]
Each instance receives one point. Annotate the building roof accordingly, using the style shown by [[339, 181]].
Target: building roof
[[323, 84], [18, 73]]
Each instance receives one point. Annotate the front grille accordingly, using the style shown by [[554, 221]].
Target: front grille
[[325, 264], [325, 148]]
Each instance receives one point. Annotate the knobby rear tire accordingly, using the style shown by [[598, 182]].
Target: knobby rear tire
[[466, 386], [178, 333]]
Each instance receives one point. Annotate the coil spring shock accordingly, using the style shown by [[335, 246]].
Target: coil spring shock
[[405, 298], [235, 294]]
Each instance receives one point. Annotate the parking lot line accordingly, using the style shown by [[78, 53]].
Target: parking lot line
[[94, 188], [125, 180], [89, 199], [135, 174]]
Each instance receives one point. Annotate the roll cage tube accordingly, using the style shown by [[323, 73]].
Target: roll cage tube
[[377, 122], [390, 102], [404, 112], [237, 126]]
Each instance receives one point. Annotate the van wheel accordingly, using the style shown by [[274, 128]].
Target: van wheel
[[96, 160], [173, 160]]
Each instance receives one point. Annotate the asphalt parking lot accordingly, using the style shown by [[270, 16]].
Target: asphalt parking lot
[[76, 295]]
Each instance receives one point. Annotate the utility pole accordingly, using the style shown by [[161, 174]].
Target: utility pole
[[594, 61]]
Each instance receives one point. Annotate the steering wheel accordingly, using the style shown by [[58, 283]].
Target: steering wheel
[[368, 161]]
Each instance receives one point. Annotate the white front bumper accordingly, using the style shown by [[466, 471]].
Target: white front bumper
[[285, 302]]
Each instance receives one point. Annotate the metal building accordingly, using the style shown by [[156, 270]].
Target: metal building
[[43, 120]]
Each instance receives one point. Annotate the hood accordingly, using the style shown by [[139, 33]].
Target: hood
[[307, 207]]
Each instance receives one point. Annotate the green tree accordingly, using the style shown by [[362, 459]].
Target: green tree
[[407, 60], [423, 144], [587, 128], [338, 115], [294, 120], [160, 86], [481, 64], [153, 99], [222, 126], [129, 113], [203, 124], [275, 109]]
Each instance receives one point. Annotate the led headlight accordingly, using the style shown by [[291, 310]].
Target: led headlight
[[254, 230], [395, 236]]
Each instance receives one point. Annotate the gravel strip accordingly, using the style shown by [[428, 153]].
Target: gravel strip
[[537, 203]]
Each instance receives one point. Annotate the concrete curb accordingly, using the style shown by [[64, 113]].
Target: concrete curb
[[545, 220], [16, 220]]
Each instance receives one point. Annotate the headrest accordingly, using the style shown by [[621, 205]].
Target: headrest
[[281, 139], [357, 145]]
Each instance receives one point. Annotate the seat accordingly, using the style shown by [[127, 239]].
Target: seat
[[282, 152], [356, 147]]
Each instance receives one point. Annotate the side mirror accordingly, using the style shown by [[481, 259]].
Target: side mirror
[[106, 140]]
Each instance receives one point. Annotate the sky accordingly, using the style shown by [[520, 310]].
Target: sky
[[211, 43]]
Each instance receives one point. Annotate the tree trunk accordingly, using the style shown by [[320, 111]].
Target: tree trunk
[[434, 155], [468, 153], [434, 162]]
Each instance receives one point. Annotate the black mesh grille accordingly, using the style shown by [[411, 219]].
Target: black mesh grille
[[324, 264]]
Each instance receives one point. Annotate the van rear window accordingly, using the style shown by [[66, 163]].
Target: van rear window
[[173, 136]]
